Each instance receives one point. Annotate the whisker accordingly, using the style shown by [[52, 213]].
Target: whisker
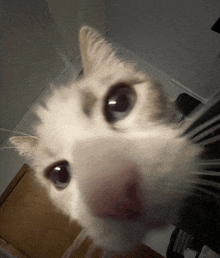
[[206, 133], [201, 115], [210, 173], [203, 126], [208, 183], [77, 242], [207, 192], [210, 163], [210, 140], [12, 131]]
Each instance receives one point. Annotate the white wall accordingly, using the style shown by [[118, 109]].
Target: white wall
[[34, 34], [173, 35], [70, 15]]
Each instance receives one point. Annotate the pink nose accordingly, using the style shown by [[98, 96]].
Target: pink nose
[[111, 189]]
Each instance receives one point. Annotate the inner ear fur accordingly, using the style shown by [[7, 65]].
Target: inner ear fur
[[26, 145], [94, 49]]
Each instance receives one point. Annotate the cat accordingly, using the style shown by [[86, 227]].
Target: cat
[[108, 149]]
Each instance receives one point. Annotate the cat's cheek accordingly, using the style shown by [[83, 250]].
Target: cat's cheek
[[66, 200], [76, 207]]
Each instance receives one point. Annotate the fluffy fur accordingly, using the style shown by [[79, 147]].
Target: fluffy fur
[[73, 128]]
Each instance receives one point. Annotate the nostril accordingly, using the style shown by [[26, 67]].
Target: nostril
[[131, 207], [132, 192]]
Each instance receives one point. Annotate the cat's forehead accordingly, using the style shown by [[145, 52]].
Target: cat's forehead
[[108, 75]]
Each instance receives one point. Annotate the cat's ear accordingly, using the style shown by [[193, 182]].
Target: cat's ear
[[26, 145], [94, 49]]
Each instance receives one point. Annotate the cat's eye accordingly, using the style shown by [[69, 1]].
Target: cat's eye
[[119, 102], [60, 174]]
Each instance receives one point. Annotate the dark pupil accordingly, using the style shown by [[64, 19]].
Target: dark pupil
[[120, 103], [61, 174]]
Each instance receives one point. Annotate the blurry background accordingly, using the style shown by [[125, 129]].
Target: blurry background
[[172, 40]]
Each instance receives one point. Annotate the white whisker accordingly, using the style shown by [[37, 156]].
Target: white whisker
[[77, 242], [207, 192], [208, 183], [206, 133], [211, 163], [12, 131], [209, 173], [203, 126], [198, 115], [210, 140]]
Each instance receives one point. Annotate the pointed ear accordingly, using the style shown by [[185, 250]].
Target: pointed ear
[[26, 145], [94, 49]]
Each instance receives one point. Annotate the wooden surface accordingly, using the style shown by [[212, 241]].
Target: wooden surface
[[32, 225]]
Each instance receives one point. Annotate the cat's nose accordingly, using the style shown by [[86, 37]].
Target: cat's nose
[[113, 190]]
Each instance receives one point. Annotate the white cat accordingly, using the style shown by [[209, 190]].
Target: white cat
[[108, 150]]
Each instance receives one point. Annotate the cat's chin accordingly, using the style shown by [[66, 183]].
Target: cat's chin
[[119, 237], [122, 237]]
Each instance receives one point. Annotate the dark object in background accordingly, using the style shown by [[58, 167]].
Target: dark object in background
[[186, 104], [216, 26], [199, 220]]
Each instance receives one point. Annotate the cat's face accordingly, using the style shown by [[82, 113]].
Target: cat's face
[[108, 151]]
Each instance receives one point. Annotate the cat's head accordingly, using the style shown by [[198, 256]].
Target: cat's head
[[108, 151]]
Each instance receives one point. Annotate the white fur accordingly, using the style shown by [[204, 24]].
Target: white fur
[[147, 136]]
